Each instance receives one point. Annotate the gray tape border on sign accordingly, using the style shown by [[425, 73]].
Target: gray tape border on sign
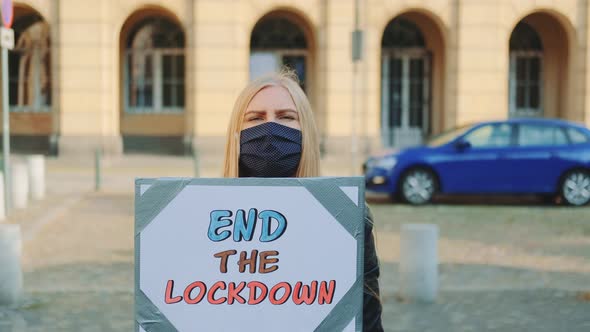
[[325, 192], [155, 199], [346, 213], [147, 315]]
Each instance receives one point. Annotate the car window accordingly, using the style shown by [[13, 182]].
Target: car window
[[488, 136], [447, 136], [538, 134], [577, 136]]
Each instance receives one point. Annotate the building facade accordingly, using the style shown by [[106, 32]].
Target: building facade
[[162, 75]]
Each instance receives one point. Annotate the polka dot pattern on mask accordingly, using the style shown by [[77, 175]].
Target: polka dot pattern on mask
[[270, 150]]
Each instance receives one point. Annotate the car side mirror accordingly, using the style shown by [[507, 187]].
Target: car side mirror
[[462, 145]]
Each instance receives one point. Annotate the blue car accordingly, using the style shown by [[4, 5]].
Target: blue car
[[517, 156]]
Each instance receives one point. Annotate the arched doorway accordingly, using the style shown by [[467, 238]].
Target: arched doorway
[[29, 74], [153, 73], [526, 74], [412, 70], [279, 39], [539, 64]]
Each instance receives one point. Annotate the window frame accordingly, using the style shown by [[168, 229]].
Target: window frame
[[157, 82], [36, 66], [405, 55], [567, 130], [279, 54], [527, 111], [511, 141], [554, 126]]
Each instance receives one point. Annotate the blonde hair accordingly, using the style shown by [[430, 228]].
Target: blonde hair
[[310, 152]]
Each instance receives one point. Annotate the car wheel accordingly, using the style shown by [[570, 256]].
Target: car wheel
[[418, 186], [575, 188]]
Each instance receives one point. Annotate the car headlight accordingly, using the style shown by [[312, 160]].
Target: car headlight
[[385, 162]]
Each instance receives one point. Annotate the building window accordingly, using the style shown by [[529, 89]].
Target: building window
[[278, 42], [30, 66], [154, 68], [402, 33], [405, 84], [526, 68]]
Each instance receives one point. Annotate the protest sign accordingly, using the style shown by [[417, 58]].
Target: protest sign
[[249, 254]]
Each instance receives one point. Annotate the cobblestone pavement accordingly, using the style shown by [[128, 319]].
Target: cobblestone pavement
[[503, 267]]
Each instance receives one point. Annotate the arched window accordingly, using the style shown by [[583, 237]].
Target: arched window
[[277, 42], [525, 38], [405, 79], [402, 33], [30, 66], [526, 62], [154, 67]]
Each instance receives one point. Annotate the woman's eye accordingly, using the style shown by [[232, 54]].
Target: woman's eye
[[288, 117], [257, 118]]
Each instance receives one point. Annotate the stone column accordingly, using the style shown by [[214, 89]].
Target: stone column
[[88, 79]]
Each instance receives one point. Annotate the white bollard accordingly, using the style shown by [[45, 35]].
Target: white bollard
[[36, 167], [2, 202], [418, 263], [11, 275], [20, 185]]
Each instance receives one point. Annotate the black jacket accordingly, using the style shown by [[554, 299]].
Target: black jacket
[[371, 300]]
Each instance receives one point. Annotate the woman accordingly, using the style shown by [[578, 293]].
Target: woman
[[272, 133]]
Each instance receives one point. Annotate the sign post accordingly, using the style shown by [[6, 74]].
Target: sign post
[[249, 254], [7, 42]]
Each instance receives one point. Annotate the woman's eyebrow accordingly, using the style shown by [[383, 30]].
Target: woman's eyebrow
[[254, 111], [285, 110]]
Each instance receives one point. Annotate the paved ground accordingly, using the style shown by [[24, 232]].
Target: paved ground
[[503, 267]]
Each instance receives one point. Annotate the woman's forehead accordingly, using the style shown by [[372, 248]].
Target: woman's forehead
[[271, 98]]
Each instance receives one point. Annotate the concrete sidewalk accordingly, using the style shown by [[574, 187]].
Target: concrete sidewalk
[[78, 269]]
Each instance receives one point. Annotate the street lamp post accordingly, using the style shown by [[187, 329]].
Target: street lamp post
[[6, 42], [6, 133], [357, 54]]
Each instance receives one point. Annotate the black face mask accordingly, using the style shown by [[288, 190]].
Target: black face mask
[[269, 150]]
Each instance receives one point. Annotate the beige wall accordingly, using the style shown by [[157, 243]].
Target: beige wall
[[470, 65]]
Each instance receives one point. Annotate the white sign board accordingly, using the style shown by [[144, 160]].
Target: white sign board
[[249, 254], [7, 38]]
